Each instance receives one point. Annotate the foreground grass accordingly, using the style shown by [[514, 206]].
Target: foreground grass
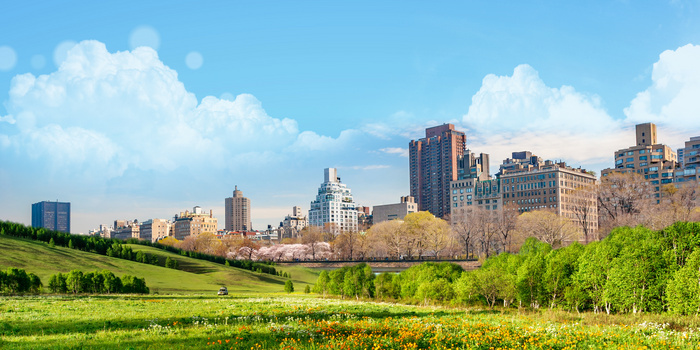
[[303, 322], [195, 276]]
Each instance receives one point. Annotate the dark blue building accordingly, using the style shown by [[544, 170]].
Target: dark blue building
[[51, 215]]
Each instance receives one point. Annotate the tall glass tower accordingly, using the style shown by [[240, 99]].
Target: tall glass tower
[[51, 215]]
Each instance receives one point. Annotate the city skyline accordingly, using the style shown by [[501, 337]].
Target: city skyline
[[154, 112]]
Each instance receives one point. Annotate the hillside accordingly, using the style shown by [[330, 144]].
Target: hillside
[[196, 276]]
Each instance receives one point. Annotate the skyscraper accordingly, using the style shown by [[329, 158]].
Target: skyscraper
[[51, 215], [334, 208], [237, 216], [433, 163]]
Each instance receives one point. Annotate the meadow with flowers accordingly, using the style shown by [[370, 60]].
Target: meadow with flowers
[[300, 321]]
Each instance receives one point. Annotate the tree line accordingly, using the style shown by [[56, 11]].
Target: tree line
[[97, 282], [18, 281], [115, 247], [632, 270]]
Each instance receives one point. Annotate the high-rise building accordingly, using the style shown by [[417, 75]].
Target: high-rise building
[[237, 217], [656, 162], [334, 209], [51, 215], [433, 164], [194, 223]]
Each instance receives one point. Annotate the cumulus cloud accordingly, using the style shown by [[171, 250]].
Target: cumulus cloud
[[520, 112], [672, 99], [116, 111]]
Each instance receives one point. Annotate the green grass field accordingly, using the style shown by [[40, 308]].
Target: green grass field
[[195, 276], [305, 322]]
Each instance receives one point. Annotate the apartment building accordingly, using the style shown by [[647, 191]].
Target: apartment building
[[334, 208], [434, 163], [656, 162], [690, 164], [155, 229], [237, 216], [526, 183], [194, 223]]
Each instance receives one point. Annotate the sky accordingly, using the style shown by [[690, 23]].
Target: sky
[[140, 110]]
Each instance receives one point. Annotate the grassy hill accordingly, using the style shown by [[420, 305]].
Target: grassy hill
[[195, 276]]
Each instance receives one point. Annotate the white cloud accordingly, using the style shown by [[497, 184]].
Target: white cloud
[[403, 152], [127, 109], [194, 60], [144, 36], [520, 112], [8, 58], [672, 101]]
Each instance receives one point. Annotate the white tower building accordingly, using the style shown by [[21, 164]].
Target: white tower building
[[334, 208]]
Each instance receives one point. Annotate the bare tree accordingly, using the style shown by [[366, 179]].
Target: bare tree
[[506, 223], [623, 200], [548, 227], [346, 245], [437, 235], [487, 232], [585, 209], [465, 225], [312, 236], [680, 201], [388, 234]]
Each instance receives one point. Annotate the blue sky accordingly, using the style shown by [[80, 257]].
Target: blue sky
[[265, 95]]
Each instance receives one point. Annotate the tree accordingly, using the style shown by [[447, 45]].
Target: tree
[[623, 200], [683, 290], [289, 286], [531, 272], [388, 234], [322, 283], [465, 225], [312, 236], [680, 202], [171, 263], [247, 248], [506, 223], [16, 280], [418, 228], [584, 206], [547, 227], [113, 284], [73, 280], [346, 245], [51, 243], [561, 266]]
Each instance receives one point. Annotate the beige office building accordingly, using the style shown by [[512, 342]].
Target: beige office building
[[395, 211], [237, 216], [194, 223]]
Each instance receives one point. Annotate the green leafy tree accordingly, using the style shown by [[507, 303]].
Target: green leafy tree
[[384, 286], [322, 283], [683, 290], [74, 281], [16, 280], [307, 289], [52, 243], [112, 283], [530, 284], [70, 244], [561, 264], [289, 286]]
